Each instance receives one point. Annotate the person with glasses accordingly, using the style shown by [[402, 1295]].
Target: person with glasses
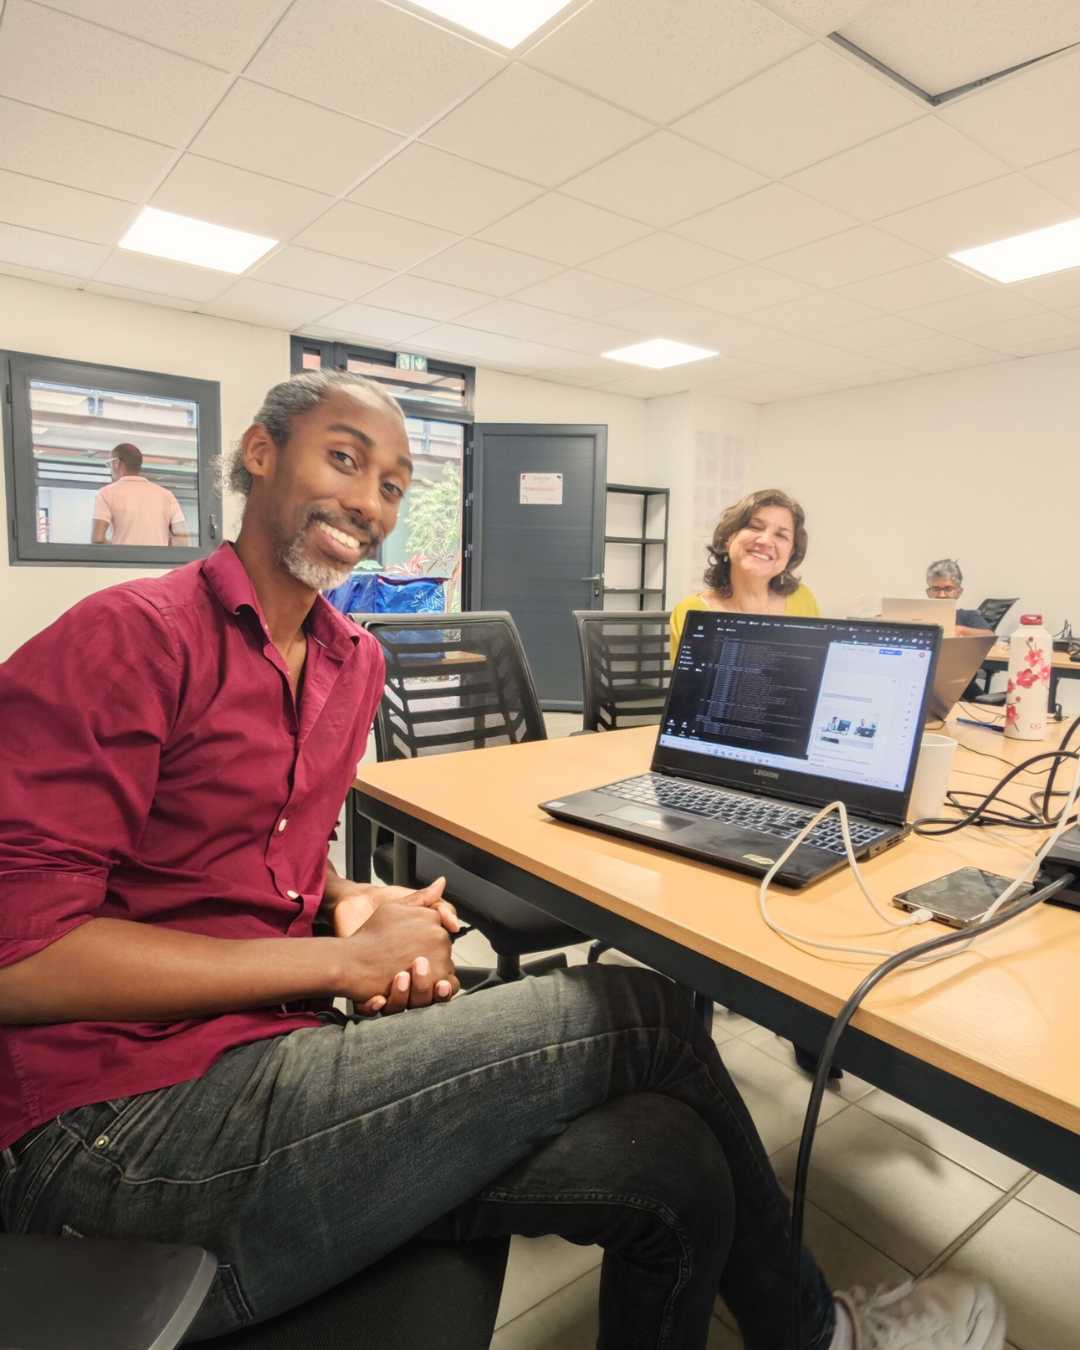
[[945, 581]]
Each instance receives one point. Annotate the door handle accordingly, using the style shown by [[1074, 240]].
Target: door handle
[[598, 577], [597, 584]]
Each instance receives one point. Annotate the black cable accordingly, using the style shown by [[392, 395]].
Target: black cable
[[932, 826], [1053, 772], [828, 1052]]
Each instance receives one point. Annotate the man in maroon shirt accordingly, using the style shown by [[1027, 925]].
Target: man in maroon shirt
[[175, 755]]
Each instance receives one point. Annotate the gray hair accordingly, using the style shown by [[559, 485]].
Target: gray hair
[[290, 399], [945, 567]]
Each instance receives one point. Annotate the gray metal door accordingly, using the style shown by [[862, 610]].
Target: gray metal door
[[537, 540]]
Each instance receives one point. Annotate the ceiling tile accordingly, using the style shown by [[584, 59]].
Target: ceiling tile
[[525, 123], [771, 220], [159, 276], [268, 132], [851, 256], [978, 215], [813, 313], [1014, 336], [650, 383], [912, 164], [42, 206], [50, 252], [1031, 116], [882, 333], [1047, 346], [353, 231], [940, 47], [434, 299], [244, 201], [580, 293], [968, 312], [426, 184], [320, 273], [744, 290], [1060, 176], [918, 285], [850, 367], [820, 16], [587, 337], [662, 57], [769, 386], [513, 319], [371, 60], [935, 351], [141, 297], [57, 62], [812, 105], [563, 230], [488, 348], [67, 283], [663, 179], [486, 267], [49, 145], [662, 316], [364, 321], [206, 30], [662, 262], [1059, 290], [274, 306], [772, 347]]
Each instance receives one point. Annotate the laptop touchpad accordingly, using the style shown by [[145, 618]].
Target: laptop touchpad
[[645, 815]]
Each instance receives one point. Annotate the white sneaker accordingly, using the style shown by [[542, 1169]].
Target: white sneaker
[[944, 1312]]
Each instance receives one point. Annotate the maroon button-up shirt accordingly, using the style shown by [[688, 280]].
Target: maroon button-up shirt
[[155, 767]]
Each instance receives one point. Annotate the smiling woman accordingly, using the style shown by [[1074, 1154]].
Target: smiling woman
[[755, 549]]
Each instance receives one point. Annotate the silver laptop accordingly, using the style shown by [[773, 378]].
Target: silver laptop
[[922, 609], [767, 719]]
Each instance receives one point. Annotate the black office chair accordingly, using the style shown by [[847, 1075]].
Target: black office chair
[[100, 1294], [458, 682], [625, 671], [993, 611]]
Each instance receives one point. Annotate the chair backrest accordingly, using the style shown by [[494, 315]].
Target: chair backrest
[[993, 611], [453, 682], [624, 666]]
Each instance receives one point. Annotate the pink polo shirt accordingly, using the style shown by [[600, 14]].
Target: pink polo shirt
[[155, 767], [139, 511]]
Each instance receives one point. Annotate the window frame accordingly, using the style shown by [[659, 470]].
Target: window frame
[[17, 369]]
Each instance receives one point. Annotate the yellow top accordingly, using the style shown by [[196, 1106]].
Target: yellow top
[[802, 603]]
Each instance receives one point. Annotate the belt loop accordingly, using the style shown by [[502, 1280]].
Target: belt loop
[[8, 1158]]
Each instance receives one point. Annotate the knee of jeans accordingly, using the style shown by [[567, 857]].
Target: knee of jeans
[[659, 1150]]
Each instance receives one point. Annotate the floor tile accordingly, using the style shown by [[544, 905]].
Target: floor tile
[[846, 1258], [1057, 1201], [538, 1268], [775, 1096], [850, 1088], [903, 1198], [1032, 1261], [734, 1023], [562, 724], [568, 1320], [961, 1148]]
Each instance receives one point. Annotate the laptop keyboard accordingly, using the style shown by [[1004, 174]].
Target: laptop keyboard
[[732, 808]]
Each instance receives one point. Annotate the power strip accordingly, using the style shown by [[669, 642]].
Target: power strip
[[1064, 857]]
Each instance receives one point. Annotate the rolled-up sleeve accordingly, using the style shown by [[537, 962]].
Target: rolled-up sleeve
[[86, 708]]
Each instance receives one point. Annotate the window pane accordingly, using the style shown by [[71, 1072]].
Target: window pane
[[429, 386], [147, 495], [312, 360], [427, 540]]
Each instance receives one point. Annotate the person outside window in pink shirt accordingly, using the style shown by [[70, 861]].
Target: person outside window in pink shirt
[[134, 510]]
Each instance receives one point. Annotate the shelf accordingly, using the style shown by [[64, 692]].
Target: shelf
[[638, 491], [629, 539], [632, 590]]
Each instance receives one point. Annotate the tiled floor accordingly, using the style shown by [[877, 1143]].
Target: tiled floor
[[893, 1193]]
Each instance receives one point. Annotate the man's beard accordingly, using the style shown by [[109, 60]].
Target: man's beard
[[318, 574]]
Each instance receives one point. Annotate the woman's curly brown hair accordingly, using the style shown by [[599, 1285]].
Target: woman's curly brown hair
[[738, 517]]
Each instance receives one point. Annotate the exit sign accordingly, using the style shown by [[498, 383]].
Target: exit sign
[[406, 361]]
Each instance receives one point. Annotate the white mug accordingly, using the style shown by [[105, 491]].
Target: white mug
[[932, 775]]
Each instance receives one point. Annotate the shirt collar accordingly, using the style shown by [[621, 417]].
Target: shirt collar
[[228, 579]]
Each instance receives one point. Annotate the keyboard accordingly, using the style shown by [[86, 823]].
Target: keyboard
[[776, 818]]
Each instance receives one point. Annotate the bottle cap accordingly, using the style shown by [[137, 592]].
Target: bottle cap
[[1031, 618]]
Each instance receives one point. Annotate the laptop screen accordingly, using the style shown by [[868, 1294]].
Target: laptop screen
[[810, 708]]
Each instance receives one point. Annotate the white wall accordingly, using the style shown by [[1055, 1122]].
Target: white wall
[[246, 360], [980, 465]]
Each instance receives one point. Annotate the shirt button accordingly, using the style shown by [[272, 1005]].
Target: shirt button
[[281, 825], [293, 895]]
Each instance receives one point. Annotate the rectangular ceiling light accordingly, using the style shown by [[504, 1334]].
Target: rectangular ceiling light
[[659, 354], [1053, 249], [186, 240], [507, 22]]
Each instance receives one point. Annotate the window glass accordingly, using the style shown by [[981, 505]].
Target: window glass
[[129, 462], [427, 540], [428, 386]]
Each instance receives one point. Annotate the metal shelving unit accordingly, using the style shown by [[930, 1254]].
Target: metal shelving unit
[[651, 543]]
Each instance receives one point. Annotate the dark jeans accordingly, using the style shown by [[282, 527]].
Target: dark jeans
[[588, 1103]]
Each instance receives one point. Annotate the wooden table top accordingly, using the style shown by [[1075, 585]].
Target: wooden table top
[[1002, 1015], [1061, 661]]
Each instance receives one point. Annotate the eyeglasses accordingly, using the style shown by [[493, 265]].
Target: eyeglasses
[[943, 592]]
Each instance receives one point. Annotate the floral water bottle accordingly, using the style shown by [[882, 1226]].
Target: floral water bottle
[[1030, 659]]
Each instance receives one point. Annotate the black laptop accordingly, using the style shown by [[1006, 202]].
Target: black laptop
[[958, 660], [767, 719]]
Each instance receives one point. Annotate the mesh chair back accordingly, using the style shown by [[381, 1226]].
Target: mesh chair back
[[624, 667], [453, 682], [993, 611]]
